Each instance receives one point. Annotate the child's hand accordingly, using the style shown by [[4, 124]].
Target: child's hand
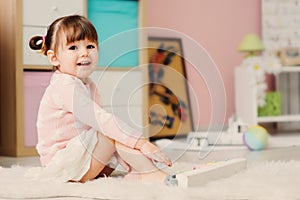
[[154, 153]]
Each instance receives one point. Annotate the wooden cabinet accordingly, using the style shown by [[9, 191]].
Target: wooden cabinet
[[24, 74], [12, 135]]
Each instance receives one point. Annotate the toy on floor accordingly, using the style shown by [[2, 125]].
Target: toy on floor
[[199, 140], [189, 176], [256, 137]]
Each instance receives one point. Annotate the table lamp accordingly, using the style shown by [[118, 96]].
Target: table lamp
[[251, 44]]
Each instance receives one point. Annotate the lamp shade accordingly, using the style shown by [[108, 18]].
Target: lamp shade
[[251, 43]]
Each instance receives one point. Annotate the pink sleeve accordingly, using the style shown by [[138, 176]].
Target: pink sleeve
[[78, 99], [95, 93]]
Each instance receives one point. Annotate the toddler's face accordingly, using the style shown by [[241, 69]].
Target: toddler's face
[[78, 58]]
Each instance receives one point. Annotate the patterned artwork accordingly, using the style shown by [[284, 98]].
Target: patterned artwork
[[169, 112]]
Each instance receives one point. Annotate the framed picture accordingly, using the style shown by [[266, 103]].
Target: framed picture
[[290, 56], [169, 106]]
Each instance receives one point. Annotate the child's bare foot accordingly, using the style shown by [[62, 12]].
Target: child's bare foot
[[135, 176]]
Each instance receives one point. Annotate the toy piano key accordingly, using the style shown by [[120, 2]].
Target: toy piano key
[[211, 172]]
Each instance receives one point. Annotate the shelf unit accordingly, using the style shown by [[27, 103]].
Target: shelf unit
[[245, 98], [18, 64]]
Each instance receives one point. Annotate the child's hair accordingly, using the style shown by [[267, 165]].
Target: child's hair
[[75, 27]]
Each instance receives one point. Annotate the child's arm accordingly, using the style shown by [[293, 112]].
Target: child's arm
[[89, 112], [152, 152]]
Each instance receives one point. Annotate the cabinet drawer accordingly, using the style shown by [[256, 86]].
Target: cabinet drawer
[[118, 88], [35, 84], [31, 57], [44, 12]]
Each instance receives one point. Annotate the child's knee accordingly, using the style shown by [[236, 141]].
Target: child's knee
[[102, 137]]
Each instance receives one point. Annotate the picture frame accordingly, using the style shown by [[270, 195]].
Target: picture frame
[[290, 56], [169, 103]]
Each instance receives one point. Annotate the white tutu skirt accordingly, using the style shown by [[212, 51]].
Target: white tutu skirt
[[70, 163]]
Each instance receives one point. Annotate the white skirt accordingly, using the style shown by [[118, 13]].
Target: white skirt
[[70, 163]]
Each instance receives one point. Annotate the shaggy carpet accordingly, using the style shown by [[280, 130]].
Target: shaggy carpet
[[267, 180]]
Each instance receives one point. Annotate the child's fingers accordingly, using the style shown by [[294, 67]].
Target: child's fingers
[[166, 159], [161, 157], [154, 153]]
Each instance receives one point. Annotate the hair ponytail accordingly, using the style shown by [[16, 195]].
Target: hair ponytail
[[75, 27], [36, 42]]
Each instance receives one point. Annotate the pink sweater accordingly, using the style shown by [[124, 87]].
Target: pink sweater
[[68, 108]]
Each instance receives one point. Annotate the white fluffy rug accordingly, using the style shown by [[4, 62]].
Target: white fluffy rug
[[268, 180]]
